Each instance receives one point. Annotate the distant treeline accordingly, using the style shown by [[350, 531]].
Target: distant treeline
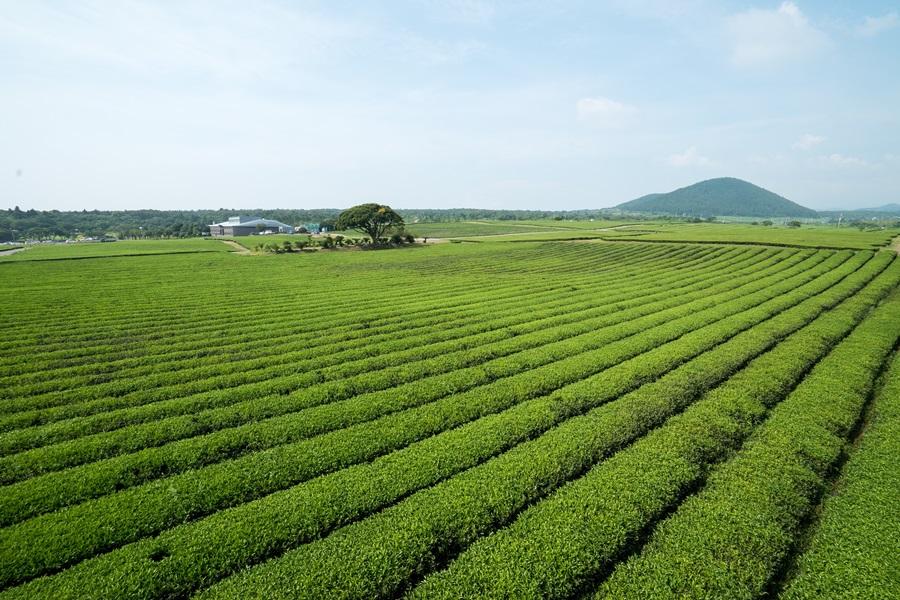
[[17, 224], [846, 216]]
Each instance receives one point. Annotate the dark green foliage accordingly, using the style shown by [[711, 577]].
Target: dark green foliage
[[137, 223], [371, 219], [133, 224]]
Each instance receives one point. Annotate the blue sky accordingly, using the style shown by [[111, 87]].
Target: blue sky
[[427, 103]]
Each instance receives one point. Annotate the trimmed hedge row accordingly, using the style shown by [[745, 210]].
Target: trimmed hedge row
[[507, 383], [230, 539], [159, 324], [414, 316], [544, 344], [151, 312], [380, 556], [729, 540], [74, 428], [286, 387], [407, 322], [556, 548], [224, 484], [855, 546], [240, 382]]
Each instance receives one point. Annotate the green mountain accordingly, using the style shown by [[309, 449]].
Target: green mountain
[[892, 208], [724, 196]]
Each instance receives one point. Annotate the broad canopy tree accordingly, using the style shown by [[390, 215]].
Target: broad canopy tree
[[371, 219]]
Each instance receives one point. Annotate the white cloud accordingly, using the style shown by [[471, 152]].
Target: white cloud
[[412, 48], [468, 12], [872, 26], [689, 158], [808, 141], [605, 112], [145, 39], [765, 37], [840, 160], [658, 9], [767, 159]]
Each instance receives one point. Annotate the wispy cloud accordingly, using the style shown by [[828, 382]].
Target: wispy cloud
[[767, 159], [479, 102], [808, 141], [688, 158], [468, 12], [841, 160], [605, 112], [658, 9], [872, 26], [766, 37], [143, 39], [411, 48]]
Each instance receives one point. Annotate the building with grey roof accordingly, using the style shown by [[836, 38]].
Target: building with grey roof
[[248, 226]]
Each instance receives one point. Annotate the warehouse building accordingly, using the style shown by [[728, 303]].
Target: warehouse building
[[248, 226]]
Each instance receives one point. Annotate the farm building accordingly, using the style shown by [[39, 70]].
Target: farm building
[[248, 226]]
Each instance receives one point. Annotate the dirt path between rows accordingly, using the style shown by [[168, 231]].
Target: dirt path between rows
[[238, 249], [895, 245], [8, 252]]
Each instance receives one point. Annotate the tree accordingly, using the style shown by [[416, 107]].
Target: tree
[[371, 219], [793, 224]]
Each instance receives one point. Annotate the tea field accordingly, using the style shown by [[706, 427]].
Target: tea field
[[540, 419], [64, 251], [820, 236]]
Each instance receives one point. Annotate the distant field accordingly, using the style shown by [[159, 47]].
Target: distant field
[[123, 248], [480, 228], [491, 420], [808, 235], [595, 224], [430, 230], [539, 235], [474, 230]]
